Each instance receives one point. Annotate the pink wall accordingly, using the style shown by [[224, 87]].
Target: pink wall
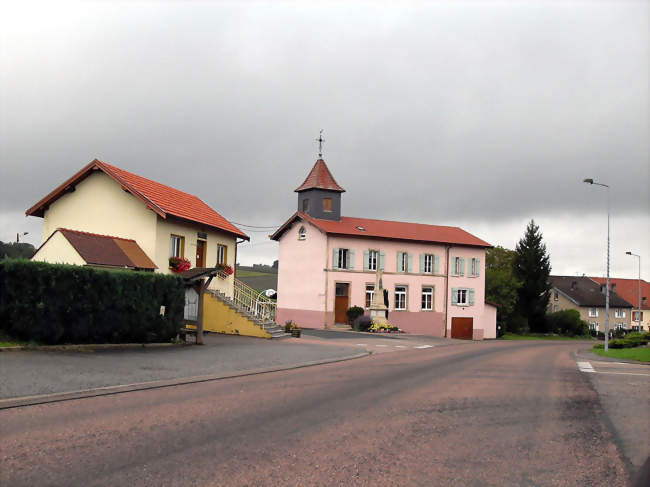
[[490, 323], [302, 317]]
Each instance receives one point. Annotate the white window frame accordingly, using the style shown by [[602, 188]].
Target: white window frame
[[619, 313], [343, 258], [465, 294], [456, 266], [619, 326], [176, 246], [636, 315], [302, 233], [221, 254], [556, 308], [593, 326], [427, 298], [472, 267], [405, 262], [373, 260], [593, 312], [428, 264], [370, 293], [556, 295], [401, 298]]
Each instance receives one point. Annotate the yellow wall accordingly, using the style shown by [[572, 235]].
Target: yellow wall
[[99, 205], [170, 226], [58, 251], [220, 318]]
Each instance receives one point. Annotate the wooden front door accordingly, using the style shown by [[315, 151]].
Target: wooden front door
[[200, 253], [341, 303], [462, 328]]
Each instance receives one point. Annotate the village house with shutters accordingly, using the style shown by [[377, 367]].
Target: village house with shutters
[[435, 275]]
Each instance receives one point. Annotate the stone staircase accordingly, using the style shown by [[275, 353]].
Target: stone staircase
[[267, 325]]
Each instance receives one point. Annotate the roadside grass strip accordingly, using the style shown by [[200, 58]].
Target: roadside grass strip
[[642, 354], [585, 367]]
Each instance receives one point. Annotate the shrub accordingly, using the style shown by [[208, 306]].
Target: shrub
[[353, 313], [55, 303], [567, 322], [362, 323]]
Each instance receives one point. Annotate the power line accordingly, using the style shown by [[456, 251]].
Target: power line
[[255, 226]]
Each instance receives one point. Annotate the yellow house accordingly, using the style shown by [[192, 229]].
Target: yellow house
[[164, 222]]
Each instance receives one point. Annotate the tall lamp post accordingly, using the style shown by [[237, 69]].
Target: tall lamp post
[[592, 182], [639, 310]]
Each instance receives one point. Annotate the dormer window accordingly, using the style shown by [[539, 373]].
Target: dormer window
[[302, 233], [327, 204]]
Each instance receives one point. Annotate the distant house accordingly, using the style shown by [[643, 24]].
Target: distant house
[[89, 219], [588, 297], [628, 289], [435, 275]]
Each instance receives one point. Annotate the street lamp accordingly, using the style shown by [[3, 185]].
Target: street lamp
[[592, 182], [639, 311], [18, 236]]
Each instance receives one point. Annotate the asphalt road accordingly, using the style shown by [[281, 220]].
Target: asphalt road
[[493, 414]]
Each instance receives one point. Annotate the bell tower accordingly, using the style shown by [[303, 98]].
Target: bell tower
[[319, 196]]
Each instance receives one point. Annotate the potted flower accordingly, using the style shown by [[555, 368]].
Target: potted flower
[[225, 269], [179, 264], [291, 327]]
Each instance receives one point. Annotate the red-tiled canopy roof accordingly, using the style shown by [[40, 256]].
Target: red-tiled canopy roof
[[106, 250], [320, 177], [162, 199], [418, 232], [628, 289]]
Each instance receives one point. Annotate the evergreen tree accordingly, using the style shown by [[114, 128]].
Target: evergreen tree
[[501, 285], [532, 267]]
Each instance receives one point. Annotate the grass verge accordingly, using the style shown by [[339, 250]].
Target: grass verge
[[642, 354], [539, 336], [6, 341]]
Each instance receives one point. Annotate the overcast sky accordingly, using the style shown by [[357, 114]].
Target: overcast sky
[[481, 115]]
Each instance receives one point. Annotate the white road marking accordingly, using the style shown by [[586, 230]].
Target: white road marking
[[585, 367], [424, 346], [361, 344], [381, 345], [400, 346]]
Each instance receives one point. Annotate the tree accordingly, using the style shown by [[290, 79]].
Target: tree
[[501, 285], [15, 250], [532, 267]]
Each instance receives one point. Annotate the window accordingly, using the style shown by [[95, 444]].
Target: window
[[636, 315], [305, 205], [556, 295], [619, 326], [473, 267], [403, 261], [302, 233], [427, 299], [400, 297], [176, 246], [644, 301], [222, 254], [556, 308], [619, 313], [458, 266], [327, 204], [342, 262], [593, 326], [370, 292], [593, 313], [427, 266], [373, 256], [461, 297]]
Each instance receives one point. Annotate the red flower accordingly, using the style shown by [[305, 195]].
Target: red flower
[[179, 264]]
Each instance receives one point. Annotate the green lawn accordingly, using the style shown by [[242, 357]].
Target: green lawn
[[639, 353], [6, 341], [243, 273], [537, 336]]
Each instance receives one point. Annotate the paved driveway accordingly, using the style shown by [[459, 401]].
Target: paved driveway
[[31, 373]]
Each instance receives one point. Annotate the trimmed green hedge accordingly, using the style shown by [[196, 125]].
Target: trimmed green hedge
[[54, 303]]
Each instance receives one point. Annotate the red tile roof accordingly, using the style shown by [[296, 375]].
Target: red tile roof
[[628, 289], [162, 199], [105, 250], [416, 232], [320, 177]]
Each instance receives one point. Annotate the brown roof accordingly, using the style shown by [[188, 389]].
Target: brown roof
[[320, 177], [162, 199], [585, 292], [365, 227], [628, 289], [106, 250]]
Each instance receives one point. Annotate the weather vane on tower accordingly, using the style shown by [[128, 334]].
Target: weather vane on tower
[[320, 140]]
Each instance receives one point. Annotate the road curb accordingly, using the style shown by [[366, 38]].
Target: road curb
[[142, 386], [91, 347]]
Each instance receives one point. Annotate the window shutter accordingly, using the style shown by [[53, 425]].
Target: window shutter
[[351, 259], [462, 266], [410, 263], [421, 263], [471, 297], [436, 264], [478, 267], [454, 295], [366, 257], [335, 259], [399, 268], [382, 260], [453, 266]]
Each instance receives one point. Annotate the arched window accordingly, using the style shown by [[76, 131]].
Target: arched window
[[302, 233]]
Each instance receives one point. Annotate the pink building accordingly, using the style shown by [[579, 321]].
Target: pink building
[[435, 275]]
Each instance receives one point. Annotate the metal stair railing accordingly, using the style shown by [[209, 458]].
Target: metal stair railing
[[255, 303]]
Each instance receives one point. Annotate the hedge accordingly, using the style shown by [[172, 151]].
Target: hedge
[[56, 303]]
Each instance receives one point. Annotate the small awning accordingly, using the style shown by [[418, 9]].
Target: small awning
[[198, 273]]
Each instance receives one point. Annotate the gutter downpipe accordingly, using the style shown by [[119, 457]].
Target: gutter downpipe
[[447, 247]]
